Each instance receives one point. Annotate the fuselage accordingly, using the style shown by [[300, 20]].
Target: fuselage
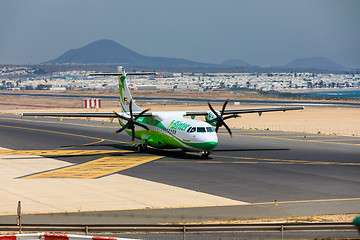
[[167, 129], [177, 132]]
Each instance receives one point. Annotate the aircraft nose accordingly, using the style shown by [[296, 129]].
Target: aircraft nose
[[210, 145], [209, 141]]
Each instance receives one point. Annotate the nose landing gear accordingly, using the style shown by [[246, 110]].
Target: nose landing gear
[[205, 154]]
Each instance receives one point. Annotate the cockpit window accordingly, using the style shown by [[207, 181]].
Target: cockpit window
[[210, 129], [201, 129]]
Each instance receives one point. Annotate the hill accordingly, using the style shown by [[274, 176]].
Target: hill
[[108, 52], [236, 63], [314, 63]]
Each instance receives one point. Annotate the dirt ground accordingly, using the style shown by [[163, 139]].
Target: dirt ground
[[314, 218]]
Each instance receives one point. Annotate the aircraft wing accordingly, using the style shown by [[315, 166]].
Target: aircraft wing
[[150, 114], [85, 115], [242, 111]]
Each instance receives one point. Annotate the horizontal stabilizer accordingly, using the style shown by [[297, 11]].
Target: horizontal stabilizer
[[122, 74]]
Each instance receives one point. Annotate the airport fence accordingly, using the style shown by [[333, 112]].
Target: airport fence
[[183, 229]]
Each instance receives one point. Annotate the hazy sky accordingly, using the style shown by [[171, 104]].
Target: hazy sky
[[260, 32]]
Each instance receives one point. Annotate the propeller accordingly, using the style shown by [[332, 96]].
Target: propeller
[[131, 122], [220, 120]]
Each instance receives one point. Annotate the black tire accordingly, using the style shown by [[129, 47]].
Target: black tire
[[140, 148], [205, 155]]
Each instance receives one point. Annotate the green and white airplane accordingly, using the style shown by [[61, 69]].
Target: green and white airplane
[[166, 129]]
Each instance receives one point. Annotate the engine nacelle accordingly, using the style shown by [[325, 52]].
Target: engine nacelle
[[210, 117]]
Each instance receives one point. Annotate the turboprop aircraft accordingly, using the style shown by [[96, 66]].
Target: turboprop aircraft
[[166, 129]]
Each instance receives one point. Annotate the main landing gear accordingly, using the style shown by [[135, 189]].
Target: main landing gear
[[205, 154], [141, 147]]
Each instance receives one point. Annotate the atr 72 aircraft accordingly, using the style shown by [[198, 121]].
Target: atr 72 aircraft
[[167, 129]]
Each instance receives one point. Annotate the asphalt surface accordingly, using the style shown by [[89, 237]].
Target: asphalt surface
[[318, 174]]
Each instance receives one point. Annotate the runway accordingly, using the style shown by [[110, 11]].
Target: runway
[[246, 174]]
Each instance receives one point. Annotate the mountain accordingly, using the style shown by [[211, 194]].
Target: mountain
[[314, 63], [106, 52], [236, 63]]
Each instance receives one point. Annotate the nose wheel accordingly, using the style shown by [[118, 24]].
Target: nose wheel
[[205, 154]]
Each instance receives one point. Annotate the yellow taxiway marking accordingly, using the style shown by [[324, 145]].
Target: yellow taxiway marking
[[93, 169], [308, 201], [57, 152], [300, 139], [63, 133], [250, 160], [284, 161], [82, 145], [96, 168]]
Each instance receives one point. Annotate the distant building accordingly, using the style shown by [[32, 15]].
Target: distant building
[[58, 88]]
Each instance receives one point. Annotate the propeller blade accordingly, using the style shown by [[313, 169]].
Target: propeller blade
[[142, 125], [217, 128], [212, 109], [144, 111], [231, 116], [219, 118], [224, 106], [132, 134], [120, 116], [228, 129], [131, 122], [122, 129], [213, 120]]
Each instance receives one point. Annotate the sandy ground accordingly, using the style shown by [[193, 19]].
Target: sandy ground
[[319, 120], [314, 218]]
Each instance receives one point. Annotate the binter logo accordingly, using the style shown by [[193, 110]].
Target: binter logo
[[178, 125]]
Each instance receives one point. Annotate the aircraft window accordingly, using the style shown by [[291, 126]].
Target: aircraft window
[[201, 129], [193, 129], [210, 129], [188, 130]]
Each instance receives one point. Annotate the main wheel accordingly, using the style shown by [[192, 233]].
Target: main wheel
[[142, 147]]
